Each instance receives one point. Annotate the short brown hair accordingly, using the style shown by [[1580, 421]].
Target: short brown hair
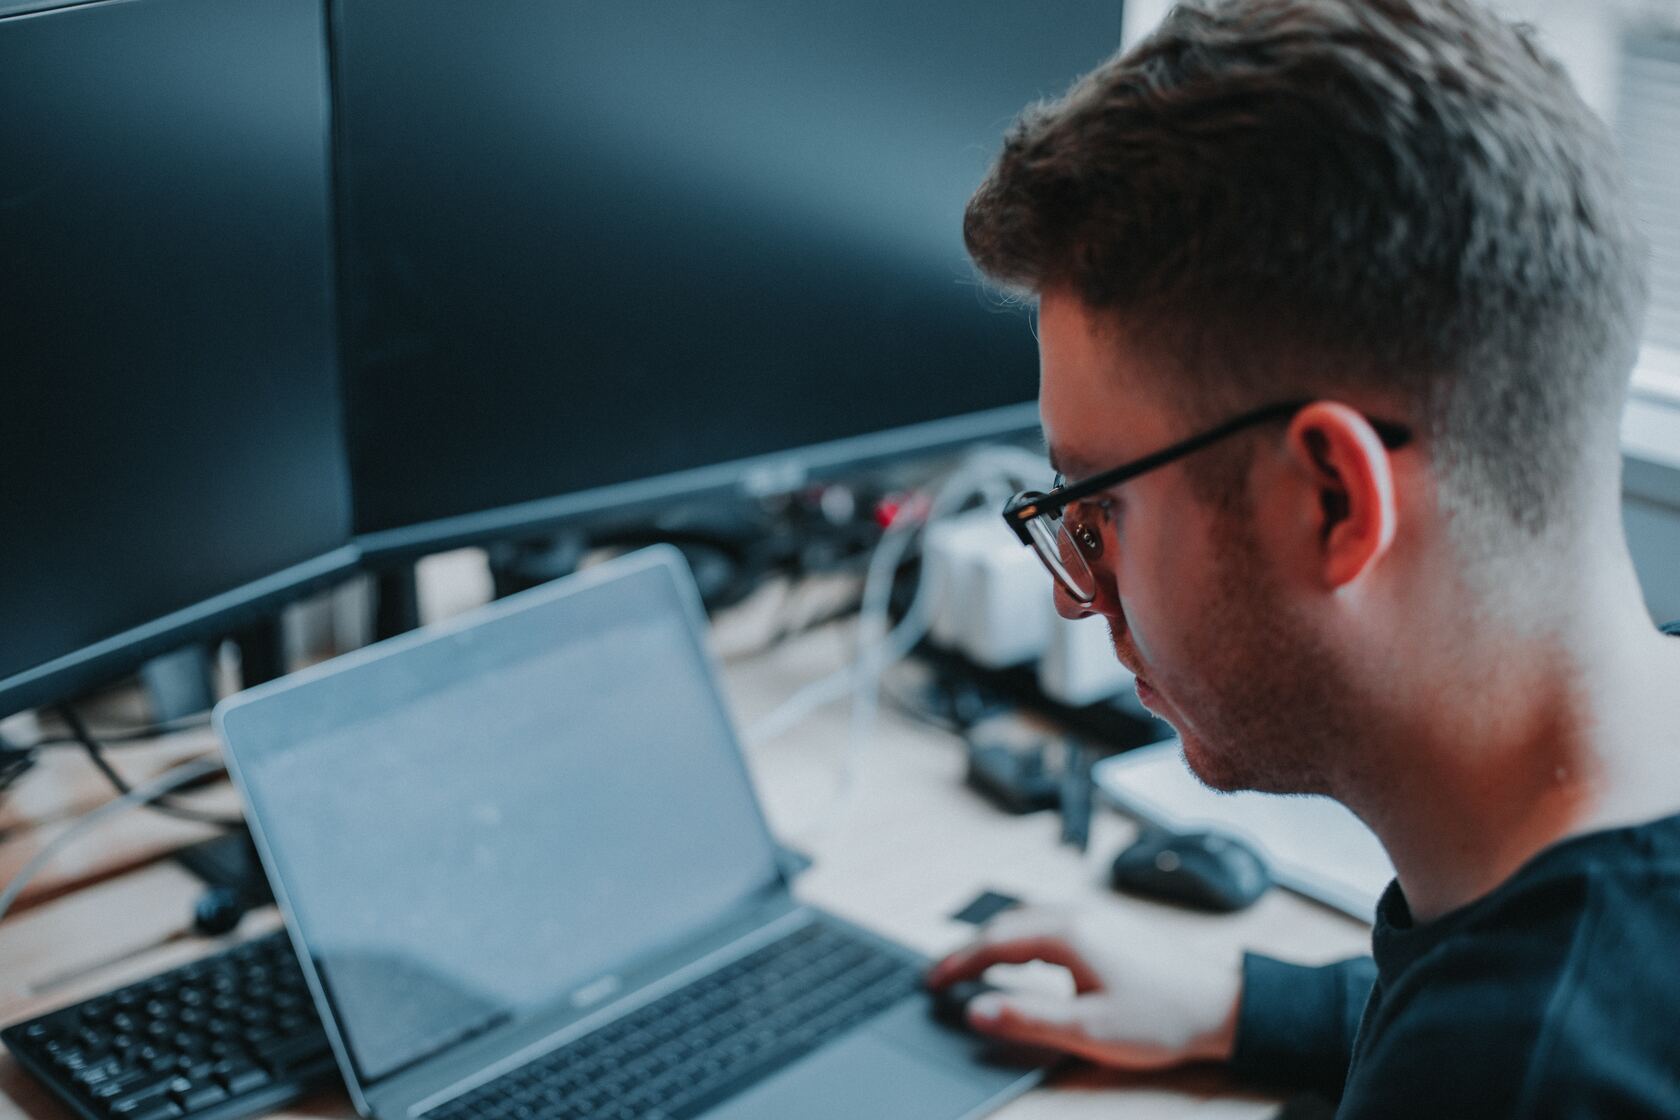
[[1288, 196]]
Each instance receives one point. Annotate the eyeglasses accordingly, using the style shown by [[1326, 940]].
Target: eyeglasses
[[1068, 548]]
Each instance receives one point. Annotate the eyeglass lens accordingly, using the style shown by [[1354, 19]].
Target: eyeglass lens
[[1053, 542]]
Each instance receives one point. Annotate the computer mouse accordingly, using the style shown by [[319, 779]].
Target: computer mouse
[[950, 1003], [1206, 870]]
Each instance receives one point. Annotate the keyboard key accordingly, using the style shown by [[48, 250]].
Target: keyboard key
[[242, 1077], [141, 1094], [118, 1084], [101, 1071], [200, 1094], [164, 1109]]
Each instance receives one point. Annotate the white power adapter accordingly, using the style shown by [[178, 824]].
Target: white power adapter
[[945, 572], [1078, 666], [991, 598], [993, 602]]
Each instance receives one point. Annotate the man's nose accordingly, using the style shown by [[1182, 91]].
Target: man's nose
[[1069, 607]]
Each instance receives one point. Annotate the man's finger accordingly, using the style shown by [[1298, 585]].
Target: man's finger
[[1030, 1018], [968, 964], [1069, 1025]]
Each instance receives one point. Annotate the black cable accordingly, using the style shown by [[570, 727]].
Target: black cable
[[921, 713], [128, 736], [791, 628], [14, 763], [96, 754]]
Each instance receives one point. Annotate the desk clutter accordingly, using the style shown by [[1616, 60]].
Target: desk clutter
[[165, 1046]]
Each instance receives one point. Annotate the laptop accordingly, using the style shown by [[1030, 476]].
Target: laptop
[[522, 865]]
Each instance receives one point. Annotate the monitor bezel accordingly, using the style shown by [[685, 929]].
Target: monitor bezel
[[758, 476], [105, 661]]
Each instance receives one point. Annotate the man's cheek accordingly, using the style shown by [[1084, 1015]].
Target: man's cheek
[[1116, 633]]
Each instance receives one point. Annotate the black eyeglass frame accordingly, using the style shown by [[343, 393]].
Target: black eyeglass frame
[[1025, 507]]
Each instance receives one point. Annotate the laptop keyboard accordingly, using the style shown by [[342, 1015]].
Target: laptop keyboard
[[703, 1043]]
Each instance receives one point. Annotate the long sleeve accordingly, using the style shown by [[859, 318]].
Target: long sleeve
[[1296, 1023]]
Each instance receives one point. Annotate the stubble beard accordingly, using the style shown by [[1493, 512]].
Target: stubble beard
[[1262, 708]]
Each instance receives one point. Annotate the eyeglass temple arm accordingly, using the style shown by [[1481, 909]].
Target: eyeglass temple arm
[[1392, 435], [1020, 511], [1100, 482]]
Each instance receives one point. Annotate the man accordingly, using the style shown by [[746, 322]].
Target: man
[[1377, 253]]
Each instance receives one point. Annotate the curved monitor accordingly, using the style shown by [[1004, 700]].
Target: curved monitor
[[598, 254], [170, 437]]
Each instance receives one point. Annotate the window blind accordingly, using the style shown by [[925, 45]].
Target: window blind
[[1648, 128]]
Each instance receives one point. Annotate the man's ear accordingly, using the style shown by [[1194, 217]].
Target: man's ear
[[1345, 460]]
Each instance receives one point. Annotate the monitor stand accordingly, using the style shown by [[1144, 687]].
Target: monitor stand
[[179, 684], [396, 601], [262, 651], [519, 565]]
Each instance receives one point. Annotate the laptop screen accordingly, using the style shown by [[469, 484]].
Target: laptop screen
[[473, 824]]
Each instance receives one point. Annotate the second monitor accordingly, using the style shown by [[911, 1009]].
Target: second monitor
[[608, 253]]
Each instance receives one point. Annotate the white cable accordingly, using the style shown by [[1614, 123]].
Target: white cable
[[984, 476], [982, 472], [166, 782], [993, 474]]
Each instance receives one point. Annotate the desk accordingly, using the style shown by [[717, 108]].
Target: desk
[[912, 846]]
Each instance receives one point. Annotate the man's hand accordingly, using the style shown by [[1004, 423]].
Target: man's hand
[[1144, 1001]]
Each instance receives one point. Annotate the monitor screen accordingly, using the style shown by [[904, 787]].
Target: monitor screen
[[170, 435], [598, 252]]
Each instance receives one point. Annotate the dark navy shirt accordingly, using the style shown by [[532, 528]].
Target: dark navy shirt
[[1556, 995]]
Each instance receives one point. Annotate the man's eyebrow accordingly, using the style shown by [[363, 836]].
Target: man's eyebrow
[[1058, 460], [1062, 463]]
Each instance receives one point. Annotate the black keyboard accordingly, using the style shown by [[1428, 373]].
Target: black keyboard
[[232, 1035], [684, 1052]]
